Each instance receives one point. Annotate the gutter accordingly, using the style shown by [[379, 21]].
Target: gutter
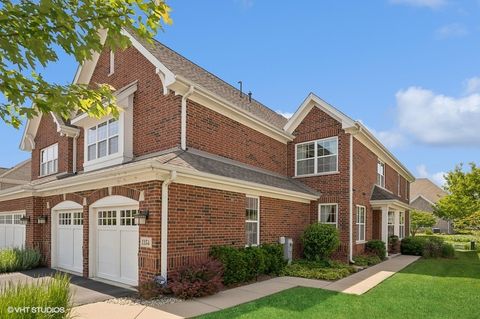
[[164, 226], [183, 131]]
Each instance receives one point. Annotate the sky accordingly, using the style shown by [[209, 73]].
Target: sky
[[408, 69]]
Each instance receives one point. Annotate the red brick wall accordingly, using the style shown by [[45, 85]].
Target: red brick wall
[[212, 132], [334, 188], [47, 135]]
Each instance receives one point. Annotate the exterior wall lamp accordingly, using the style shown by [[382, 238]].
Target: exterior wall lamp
[[141, 217], [42, 219], [24, 220]]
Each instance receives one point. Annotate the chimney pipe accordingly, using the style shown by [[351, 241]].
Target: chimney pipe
[[241, 88], [250, 96]]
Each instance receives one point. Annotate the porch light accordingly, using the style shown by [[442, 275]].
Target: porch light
[[141, 217], [24, 220], [42, 219]]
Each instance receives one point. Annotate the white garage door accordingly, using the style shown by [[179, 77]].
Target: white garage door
[[70, 240], [117, 245], [12, 232]]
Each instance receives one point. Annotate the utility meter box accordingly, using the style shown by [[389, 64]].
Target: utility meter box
[[288, 249]]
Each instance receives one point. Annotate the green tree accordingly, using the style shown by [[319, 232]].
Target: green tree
[[32, 32], [463, 197], [420, 219], [470, 222]]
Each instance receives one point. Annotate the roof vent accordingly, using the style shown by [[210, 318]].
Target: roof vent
[[241, 88], [250, 96]]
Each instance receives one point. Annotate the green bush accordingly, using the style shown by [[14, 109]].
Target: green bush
[[245, 264], [52, 294], [320, 241], [432, 247], [448, 251], [366, 260], [274, 261], [316, 270], [412, 245], [428, 232], [376, 247], [18, 259]]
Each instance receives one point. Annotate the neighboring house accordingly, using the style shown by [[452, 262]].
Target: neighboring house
[[17, 175], [425, 194], [206, 164]]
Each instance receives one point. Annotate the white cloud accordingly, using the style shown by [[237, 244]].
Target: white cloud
[[285, 114], [438, 178], [433, 4], [454, 30], [438, 119], [472, 85], [391, 139]]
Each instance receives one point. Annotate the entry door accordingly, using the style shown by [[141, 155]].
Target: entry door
[[12, 232], [70, 240], [117, 245]]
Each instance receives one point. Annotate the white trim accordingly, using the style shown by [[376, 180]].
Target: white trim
[[183, 121], [392, 203], [426, 199], [320, 212], [316, 157], [111, 63], [257, 221], [114, 201], [350, 200], [357, 240], [164, 226]]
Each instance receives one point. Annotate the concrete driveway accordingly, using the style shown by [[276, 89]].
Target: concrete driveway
[[84, 291]]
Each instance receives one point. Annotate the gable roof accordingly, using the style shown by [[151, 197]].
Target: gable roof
[[427, 189]]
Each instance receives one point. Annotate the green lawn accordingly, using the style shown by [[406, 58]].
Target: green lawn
[[426, 289]]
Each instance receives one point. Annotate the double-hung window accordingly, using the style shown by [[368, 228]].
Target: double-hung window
[[317, 157], [381, 174], [391, 224], [328, 214], [361, 218], [103, 139], [252, 224], [49, 160], [401, 225]]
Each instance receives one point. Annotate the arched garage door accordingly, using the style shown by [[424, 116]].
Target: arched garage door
[[115, 239], [12, 232]]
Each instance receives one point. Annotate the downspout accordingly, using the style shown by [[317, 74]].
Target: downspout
[[164, 227], [350, 192], [74, 160], [183, 125]]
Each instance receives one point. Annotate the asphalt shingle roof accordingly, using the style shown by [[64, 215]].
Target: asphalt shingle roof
[[426, 188], [379, 193]]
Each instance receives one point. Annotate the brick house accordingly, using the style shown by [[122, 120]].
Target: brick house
[[205, 164]]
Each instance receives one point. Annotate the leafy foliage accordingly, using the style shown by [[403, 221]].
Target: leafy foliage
[[366, 260], [420, 219], [376, 247], [470, 222], [320, 241], [31, 32], [412, 245], [428, 247], [199, 280], [274, 261], [18, 259], [149, 290], [463, 199], [317, 270], [53, 293]]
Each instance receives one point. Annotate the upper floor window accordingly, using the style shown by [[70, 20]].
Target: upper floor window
[[398, 184], [49, 160], [328, 214], [252, 225], [102, 139], [317, 157], [381, 174]]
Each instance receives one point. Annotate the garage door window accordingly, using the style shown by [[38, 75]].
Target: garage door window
[[16, 219], [78, 218], [126, 217], [8, 219], [107, 218], [65, 218]]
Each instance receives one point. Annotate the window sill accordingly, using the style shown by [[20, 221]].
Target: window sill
[[46, 175], [318, 174], [359, 242], [103, 162]]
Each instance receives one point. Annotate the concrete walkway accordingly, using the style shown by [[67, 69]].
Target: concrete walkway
[[357, 283]]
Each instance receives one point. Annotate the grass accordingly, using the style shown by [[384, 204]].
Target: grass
[[18, 259], [429, 288], [46, 298]]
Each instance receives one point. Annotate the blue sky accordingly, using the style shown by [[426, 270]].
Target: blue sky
[[408, 69]]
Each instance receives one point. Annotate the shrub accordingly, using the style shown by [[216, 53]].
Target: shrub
[[448, 251], [428, 232], [18, 259], [149, 290], [366, 260], [197, 281], [319, 241], [316, 270], [274, 261], [255, 261], [53, 293], [234, 264], [376, 247], [412, 246], [432, 247]]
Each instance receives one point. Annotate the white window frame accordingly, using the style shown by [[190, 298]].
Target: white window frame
[[398, 184], [364, 224], [112, 63], [316, 157], [406, 189], [391, 212], [107, 157], [54, 160], [320, 212], [401, 225], [381, 183], [248, 221]]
